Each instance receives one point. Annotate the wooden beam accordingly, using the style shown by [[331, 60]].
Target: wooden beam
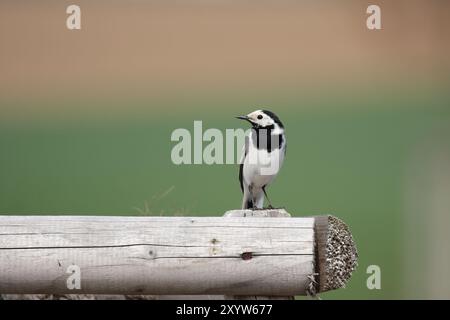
[[159, 255]]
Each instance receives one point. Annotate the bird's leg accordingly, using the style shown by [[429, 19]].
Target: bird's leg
[[250, 187], [268, 200], [255, 207]]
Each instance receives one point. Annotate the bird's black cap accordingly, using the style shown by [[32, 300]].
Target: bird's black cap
[[274, 117]]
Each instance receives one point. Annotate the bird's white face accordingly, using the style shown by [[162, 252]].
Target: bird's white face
[[260, 119]]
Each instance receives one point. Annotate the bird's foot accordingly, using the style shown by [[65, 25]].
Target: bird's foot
[[258, 209], [274, 208], [269, 207]]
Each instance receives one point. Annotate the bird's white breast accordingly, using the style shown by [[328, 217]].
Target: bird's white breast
[[261, 166]]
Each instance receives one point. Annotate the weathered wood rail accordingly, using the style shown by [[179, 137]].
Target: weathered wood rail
[[231, 255]]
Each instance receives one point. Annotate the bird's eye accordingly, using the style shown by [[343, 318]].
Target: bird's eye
[[259, 117]]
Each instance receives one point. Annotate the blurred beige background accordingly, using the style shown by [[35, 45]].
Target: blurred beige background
[[153, 48]]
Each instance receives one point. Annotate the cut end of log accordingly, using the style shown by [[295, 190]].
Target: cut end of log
[[337, 253]]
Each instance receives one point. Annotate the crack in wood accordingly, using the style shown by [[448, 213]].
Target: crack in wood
[[239, 256], [104, 246]]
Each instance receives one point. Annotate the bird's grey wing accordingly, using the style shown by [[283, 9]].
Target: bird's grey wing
[[241, 162]]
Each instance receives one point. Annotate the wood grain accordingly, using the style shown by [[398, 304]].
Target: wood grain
[[157, 255]]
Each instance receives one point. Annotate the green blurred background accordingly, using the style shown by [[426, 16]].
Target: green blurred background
[[86, 117]]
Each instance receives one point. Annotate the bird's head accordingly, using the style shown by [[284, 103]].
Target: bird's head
[[263, 119]]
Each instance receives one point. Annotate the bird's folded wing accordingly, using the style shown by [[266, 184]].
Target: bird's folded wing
[[244, 150], [241, 162]]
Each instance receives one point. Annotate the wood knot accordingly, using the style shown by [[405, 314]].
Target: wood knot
[[246, 255], [152, 254]]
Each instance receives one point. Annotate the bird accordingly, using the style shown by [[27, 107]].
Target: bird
[[262, 157]]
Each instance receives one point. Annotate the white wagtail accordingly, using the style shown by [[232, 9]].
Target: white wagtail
[[262, 157]]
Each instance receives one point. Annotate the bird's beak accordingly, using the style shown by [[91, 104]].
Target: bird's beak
[[247, 118]]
